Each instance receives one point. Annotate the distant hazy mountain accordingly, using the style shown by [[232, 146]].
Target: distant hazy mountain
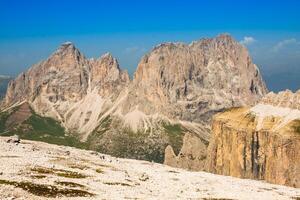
[[283, 80], [4, 80]]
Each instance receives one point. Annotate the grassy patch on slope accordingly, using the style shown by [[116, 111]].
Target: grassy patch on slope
[[40, 128], [3, 118], [47, 190], [175, 134], [297, 126]]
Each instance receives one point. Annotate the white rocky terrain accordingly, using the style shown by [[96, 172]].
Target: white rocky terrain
[[36, 170]]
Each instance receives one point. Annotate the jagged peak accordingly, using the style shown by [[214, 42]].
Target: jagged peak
[[66, 51], [107, 55], [107, 59], [169, 44], [224, 38], [68, 43], [66, 47]]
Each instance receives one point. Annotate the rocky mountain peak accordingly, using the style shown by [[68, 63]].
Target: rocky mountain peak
[[65, 48], [106, 69], [108, 60], [107, 55], [223, 39], [204, 71], [226, 37], [67, 45]]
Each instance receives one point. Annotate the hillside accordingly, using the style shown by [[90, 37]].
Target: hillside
[[35, 170]]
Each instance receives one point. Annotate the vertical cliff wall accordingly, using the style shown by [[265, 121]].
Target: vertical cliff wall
[[258, 143]]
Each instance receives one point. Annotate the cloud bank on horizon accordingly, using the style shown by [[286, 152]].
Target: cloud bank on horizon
[[31, 30]]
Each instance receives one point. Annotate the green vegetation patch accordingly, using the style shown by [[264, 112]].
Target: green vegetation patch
[[297, 126], [58, 172], [175, 134], [127, 143], [97, 134], [40, 128], [99, 170], [3, 117], [69, 184], [251, 117], [78, 166], [173, 171], [47, 190], [118, 183], [232, 109], [38, 176]]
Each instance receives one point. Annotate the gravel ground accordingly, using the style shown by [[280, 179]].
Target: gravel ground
[[36, 170]]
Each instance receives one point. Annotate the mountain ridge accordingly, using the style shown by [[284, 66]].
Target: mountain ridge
[[174, 93]]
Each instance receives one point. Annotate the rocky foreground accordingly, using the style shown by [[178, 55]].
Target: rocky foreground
[[36, 170]]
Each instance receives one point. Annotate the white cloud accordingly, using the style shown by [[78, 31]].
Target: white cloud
[[247, 41], [284, 43]]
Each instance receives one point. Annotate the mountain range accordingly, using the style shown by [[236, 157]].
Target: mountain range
[[167, 107]]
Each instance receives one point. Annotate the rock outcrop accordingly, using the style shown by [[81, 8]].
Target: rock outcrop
[[170, 101], [261, 142]]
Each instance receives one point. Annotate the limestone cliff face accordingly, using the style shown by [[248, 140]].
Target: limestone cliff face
[[261, 142], [190, 82]]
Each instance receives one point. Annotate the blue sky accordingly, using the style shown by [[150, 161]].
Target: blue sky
[[30, 30]]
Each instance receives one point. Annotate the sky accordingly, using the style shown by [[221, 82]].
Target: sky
[[31, 30]]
